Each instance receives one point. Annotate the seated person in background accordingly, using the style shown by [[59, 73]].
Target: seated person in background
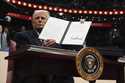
[[39, 18], [4, 37]]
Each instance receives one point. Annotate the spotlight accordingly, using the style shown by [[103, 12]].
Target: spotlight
[[29, 5], [40, 7], [85, 12], [24, 3], [19, 3], [121, 12], [45, 7], [80, 11], [34, 6], [55, 9], [65, 10]]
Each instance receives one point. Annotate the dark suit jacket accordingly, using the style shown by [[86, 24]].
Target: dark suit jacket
[[30, 38], [27, 37]]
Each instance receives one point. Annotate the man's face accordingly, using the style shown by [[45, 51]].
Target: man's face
[[39, 19]]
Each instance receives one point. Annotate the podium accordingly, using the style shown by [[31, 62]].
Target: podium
[[33, 61]]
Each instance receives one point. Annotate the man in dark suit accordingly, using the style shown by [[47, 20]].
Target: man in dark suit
[[39, 18]]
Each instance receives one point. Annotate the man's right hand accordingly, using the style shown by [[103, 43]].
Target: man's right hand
[[49, 43]]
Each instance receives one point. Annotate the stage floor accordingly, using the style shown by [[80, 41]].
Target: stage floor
[[80, 80]]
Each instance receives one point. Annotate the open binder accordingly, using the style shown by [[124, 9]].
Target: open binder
[[65, 32]]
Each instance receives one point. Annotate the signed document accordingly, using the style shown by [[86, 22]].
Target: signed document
[[77, 33], [65, 32], [54, 29]]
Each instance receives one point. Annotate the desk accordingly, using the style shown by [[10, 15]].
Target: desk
[[34, 61]]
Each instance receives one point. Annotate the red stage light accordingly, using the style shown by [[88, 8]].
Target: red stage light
[[34, 6], [55, 9], [110, 12], [75, 11], [13, 1], [70, 11], [60, 9], [65, 10], [24, 4], [90, 12], [19, 2], [50, 8], [29, 5], [40, 7], [45, 7], [121, 12], [100, 12], [116, 12], [95, 12], [8, 0], [105, 12], [80, 11], [85, 11]]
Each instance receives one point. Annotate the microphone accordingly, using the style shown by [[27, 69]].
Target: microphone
[[7, 19]]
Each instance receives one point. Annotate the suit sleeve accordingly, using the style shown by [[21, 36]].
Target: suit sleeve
[[20, 39]]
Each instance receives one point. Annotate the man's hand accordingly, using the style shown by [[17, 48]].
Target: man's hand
[[49, 43]]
